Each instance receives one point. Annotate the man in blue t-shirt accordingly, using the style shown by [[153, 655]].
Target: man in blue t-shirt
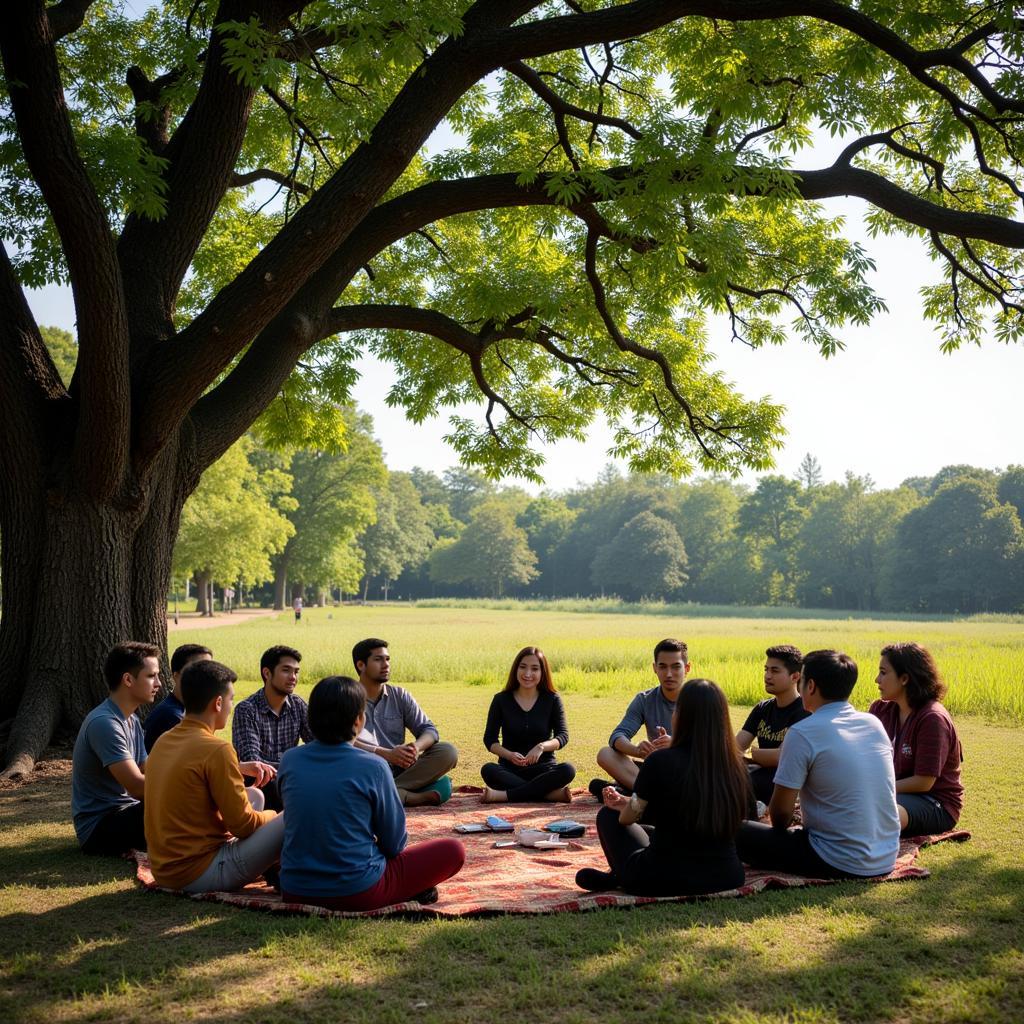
[[769, 720], [839, 762], [170, 711], [109, 758]]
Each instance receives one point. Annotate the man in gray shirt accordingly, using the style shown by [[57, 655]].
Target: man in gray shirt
[[651, 710], [109, 758], [420, 767], [839, 762]]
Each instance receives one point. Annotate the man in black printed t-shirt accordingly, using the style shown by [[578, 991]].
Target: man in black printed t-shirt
[[769, 720]]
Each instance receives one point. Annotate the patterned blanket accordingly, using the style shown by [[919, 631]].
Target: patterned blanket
[[519, 880]]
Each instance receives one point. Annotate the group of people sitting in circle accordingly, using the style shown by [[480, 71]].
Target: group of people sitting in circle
[[323, 819]]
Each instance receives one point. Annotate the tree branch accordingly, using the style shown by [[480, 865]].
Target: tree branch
[[100, 446], [550, 35], [696, 425], [244, 308], [153, 124], [31, 381], [201, 157], [289, 181], [67, 17], [268, 362], [560, 106]]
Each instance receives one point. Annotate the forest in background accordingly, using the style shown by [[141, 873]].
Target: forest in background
[[273, 522]]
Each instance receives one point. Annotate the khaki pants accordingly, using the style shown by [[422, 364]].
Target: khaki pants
[[434, 762]]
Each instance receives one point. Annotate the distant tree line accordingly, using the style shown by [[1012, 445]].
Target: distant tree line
[[332, 523], [949, 543]]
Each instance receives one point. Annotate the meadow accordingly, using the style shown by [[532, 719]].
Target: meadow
[[598, 653], [79, 942]]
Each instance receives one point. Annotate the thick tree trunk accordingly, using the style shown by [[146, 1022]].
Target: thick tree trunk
[[280, 586], [78, 578], [203, 593]]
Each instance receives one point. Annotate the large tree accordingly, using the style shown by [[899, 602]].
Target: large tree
[[400, 538], [233, 523], [335, 501], [490, 555], [618, 170], [646, 559]]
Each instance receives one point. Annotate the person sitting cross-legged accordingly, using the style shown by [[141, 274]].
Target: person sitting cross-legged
[[271, 720], [925, 747], [420, 766], [839, 762], [345, 838], [652, 711], [529, 719], [769, 720], [692, 796], [206, 831]]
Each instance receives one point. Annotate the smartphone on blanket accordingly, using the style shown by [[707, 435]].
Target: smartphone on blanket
[[496, 824]]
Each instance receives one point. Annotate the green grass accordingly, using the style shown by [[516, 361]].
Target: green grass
[[80, 943], [688, 609], [596, 654]]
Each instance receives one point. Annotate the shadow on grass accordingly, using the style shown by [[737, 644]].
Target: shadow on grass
[[846, 952], [943, 949]]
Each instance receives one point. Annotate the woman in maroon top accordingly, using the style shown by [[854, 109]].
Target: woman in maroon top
[[925, 748]]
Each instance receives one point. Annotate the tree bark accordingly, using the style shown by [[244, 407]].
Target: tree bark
[[280, 585], [203, 593], [79, 577]]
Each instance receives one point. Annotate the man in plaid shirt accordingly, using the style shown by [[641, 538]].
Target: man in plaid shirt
[[273, 719]]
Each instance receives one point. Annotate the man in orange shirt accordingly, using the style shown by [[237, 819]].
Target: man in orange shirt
[[203, 831]]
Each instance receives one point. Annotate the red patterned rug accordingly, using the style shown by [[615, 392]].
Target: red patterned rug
[[518, 880]]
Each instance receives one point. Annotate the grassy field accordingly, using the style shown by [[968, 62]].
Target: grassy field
[[596, 654], [79, 942]]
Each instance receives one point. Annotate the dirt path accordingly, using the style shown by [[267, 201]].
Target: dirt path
[[193, 620]]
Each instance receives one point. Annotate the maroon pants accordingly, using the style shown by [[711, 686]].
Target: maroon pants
[[415, 869]]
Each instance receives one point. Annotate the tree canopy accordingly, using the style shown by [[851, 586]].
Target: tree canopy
[[235, 521], [239, 194]]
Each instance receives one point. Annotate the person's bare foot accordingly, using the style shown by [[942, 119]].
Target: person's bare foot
[[493, 796], [560, 796], [428, 798]]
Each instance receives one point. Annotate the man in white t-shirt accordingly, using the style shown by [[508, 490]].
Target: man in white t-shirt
[[839, 762]]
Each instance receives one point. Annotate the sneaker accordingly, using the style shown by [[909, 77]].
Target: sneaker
[[595, 881], [427, 896]]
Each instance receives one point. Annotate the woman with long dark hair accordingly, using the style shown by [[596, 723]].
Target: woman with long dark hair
[[925, 748], [525, 726], [344, 830], [695, 793]]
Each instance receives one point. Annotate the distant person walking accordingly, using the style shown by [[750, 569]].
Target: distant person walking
[[297, 608]]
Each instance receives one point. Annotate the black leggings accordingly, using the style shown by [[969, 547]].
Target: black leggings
[[117, 832], [638, 871], [531, 782], [789, 850]]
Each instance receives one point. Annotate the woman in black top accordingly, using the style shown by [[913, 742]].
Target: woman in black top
[[694, 793], [530, 718]]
